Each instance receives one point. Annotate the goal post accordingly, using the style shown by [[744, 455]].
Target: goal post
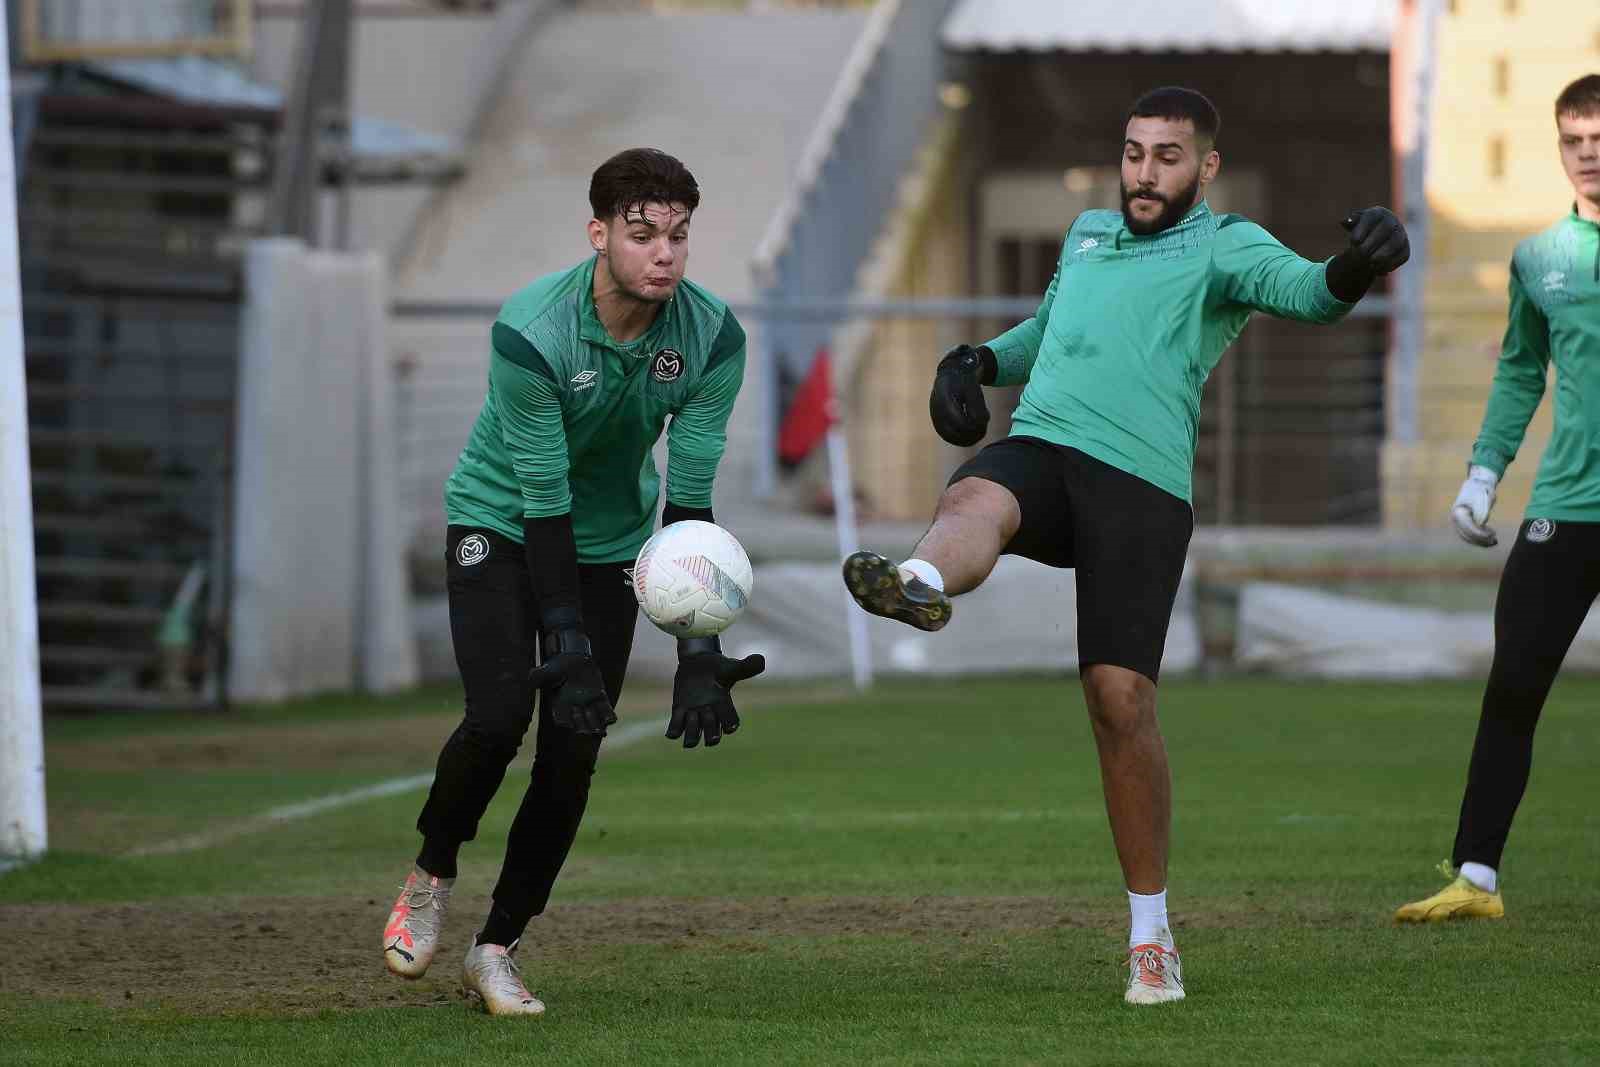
[[22, 814]]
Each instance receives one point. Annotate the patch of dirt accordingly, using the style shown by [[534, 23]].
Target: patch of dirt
[[300, 956]]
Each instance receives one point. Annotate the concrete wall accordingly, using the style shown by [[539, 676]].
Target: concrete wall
[[320, 596]]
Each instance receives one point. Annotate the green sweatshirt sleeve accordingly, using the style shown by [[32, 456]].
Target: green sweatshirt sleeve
[[1519, 381], [528, 405], [698, 432], [1257, 271], [1016, 350]]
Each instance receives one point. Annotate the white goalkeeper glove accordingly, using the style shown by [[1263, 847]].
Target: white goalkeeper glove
[[1471, 510]]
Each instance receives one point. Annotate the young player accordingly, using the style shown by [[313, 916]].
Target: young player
[[1553, 573], [551, 499], [1096, 472]]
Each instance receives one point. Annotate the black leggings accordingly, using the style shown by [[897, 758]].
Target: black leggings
[[1551, 579], [494, 625]]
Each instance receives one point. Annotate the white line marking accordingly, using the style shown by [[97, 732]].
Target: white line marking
[[275, 817]]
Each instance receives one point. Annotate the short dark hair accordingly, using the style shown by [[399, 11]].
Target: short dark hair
[[1581, 99], [1176, 102], [641, 176]]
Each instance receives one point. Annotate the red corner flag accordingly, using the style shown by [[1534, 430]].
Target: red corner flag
[[810, 414]]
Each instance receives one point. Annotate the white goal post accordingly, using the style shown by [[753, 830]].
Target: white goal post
[[22, 815]]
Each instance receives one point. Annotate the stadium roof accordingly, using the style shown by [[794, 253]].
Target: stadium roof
[[1170, 26]]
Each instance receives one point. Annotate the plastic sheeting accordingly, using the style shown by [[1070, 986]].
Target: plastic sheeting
[[1284, 629]]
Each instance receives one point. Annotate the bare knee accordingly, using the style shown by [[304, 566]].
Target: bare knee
[[1121, 702], [983, 501]]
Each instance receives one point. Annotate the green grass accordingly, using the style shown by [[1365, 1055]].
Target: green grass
[[1305, 813]]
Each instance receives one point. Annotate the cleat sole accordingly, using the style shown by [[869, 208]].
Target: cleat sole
[[875, 584]]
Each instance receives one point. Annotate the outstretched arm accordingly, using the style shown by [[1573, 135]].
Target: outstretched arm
[[702, 701], [1257, 271], [1519, 381], [529, 408], [1016, 350]]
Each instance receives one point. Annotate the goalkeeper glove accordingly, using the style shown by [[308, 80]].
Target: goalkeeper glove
[[702, 699], [956, 404], [1471, 510], [570, 680]]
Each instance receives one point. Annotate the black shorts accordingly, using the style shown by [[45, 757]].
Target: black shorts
[[1126, 539]]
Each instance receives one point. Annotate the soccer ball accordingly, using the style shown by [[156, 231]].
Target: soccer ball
[[692, 579]]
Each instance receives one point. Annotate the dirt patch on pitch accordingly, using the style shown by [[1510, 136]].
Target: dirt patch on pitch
[[301, 956]]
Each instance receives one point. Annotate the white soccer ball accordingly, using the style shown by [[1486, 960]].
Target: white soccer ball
[[692, 579]]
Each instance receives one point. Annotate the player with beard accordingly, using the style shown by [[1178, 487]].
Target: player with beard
[[1095, 474], [551, 499]]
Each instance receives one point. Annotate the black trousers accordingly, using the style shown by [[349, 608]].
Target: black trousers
[[495, 626], [1551, 578]]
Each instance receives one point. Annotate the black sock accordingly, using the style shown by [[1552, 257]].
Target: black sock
[[438, 858], [500, 928]]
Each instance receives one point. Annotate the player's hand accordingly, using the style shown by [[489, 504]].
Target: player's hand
[[1471, 510], [1378, 239], [570, 680], [956, 405], [702, 698]]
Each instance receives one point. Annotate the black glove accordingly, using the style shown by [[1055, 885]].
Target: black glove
[[1378, 245], [570, 680], [701, 699], [1378, 238], [956, 404]]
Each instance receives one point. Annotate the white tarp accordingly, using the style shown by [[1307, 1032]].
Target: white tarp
[[1285, 629]]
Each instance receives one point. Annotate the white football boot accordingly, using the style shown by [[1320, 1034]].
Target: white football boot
[[1155, 975], [412, 933], [490, 976]]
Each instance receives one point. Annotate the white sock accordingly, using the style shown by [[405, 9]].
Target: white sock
[[1149, 914], [1485, 878], [926, 571]]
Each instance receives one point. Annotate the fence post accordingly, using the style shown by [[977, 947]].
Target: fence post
[[844, 524]]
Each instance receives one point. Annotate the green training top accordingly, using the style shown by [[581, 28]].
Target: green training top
[[572, 415], [1554, 312], [1131, 326]]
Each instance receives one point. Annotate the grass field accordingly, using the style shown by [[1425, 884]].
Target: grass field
[[919, 876]]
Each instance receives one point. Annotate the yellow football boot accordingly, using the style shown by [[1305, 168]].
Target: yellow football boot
[[1458, 900]]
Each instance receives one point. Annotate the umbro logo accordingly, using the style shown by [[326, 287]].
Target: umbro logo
[[1555, 281], [585, 380], [1088, 243]]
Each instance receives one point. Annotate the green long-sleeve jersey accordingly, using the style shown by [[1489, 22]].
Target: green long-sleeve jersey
[[1131, 326], [1554, 314], [572, 415]]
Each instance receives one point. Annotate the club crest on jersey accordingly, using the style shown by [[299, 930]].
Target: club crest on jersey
[[472, 550], [1541, 530], [667, 366]]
